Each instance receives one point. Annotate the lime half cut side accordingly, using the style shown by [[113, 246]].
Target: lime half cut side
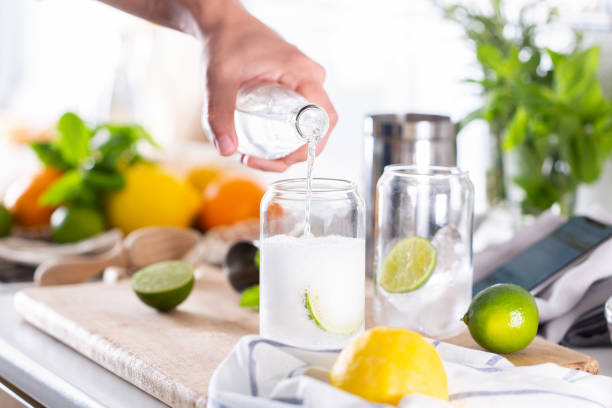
[[329, 317], [163, 285], [408, 265]]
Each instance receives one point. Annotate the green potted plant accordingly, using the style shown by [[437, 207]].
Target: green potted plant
[[545, 109]]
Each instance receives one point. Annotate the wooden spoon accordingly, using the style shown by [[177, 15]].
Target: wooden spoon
[[77, 269], [140, 248], [146, 246]]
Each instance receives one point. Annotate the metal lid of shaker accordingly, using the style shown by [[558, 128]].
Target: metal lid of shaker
[[410, 126]]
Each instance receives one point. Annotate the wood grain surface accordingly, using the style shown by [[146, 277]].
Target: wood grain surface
[[173, 355]]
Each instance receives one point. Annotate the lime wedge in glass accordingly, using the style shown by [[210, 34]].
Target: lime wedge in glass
[[163, 285], [408, 265], [330, 316]]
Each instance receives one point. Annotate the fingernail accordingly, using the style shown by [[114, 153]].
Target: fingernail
[[224, 145]]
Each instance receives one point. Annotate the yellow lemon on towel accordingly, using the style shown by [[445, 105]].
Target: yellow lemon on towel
[[384, 364]]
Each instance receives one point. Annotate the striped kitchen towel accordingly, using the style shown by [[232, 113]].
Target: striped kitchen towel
[[261, 373]]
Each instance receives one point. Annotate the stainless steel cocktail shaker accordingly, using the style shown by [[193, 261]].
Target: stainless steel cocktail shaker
[[411, 138]]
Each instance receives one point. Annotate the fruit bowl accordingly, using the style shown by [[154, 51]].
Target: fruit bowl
[[33, 252]]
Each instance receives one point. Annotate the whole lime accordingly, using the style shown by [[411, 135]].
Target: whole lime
[[163, 285], [503, 318], [74, 223], [6, 221]]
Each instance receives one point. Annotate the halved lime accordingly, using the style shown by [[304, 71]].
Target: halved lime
[[163, 285], [329, 317], [408, 265]]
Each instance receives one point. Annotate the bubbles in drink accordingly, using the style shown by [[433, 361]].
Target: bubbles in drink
[[312, 289]]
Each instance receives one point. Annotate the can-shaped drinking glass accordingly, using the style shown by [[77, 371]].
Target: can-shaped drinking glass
[[312, 263], [423, 255]]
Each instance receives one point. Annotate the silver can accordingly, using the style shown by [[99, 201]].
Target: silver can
[[411, 139]]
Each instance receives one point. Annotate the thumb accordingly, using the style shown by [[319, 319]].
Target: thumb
[[221, 104]]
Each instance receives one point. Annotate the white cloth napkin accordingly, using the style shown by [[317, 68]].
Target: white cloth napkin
[[558, 303], [261, 373]]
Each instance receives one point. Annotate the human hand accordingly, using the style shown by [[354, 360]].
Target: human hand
[[241, 49]]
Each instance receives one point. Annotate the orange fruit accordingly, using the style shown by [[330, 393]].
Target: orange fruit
[[22, 198], [275, 211], [228, 200]]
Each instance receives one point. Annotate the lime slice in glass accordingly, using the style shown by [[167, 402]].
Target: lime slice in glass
[[163, 285], [330, 316], [408, 265]]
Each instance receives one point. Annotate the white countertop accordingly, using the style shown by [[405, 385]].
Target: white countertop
[[55, 375]]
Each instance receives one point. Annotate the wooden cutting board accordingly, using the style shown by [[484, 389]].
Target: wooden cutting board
[[173, 355]]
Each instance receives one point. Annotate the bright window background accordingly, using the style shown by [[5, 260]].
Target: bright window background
[[383, 56]]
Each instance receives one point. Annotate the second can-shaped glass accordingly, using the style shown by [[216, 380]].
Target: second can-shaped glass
[[312, 279], [423, 255]]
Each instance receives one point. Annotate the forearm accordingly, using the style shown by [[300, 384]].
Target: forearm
[[195, 17]]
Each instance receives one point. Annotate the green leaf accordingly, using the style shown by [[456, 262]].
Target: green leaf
[[73, 141], [63, 189], [49, 155], [133, 132], [602, 131], [576, 82], [250, 297], [116, 147], [120, 145], [534, 97], [554, 118], [557, 58], [582, 158], [517, 130], [104, 180], [490, 57], [469, 118], [505, 66]]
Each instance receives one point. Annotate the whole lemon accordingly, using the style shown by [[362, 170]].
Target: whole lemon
[[384, 364], [151, 196], [200, 177]]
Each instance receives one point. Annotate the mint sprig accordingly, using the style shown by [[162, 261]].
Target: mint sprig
[[546, 106], [91, 157], [250, 297]]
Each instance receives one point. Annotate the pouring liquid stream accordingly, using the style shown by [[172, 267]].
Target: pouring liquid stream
[[272, 121], [312, 147]]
